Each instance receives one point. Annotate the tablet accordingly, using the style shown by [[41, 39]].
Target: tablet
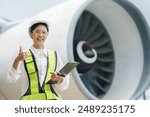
[[68, 68], [65, 71]]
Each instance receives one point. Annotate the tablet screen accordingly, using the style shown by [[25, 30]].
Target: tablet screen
[[68, 68]]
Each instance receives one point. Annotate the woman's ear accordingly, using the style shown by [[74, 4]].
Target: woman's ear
[[30, 34]]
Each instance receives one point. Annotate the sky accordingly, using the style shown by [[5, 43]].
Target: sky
[[144, 6], [20, 9]]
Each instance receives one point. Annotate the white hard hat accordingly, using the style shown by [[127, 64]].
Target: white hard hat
[[37, 22]]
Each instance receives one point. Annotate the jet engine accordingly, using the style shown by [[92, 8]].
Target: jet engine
[[110, 39]]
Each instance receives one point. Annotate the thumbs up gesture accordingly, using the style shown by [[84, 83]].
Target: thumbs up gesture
[[22, 55]]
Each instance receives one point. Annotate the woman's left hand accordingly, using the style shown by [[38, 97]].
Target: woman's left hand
[[56, 77]]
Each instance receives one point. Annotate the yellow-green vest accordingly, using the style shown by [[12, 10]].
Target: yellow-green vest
[[35, 91]]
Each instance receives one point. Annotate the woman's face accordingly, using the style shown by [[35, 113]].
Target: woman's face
[[39, 35]]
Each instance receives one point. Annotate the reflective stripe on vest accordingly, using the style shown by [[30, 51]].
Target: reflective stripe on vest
[[35, 91]]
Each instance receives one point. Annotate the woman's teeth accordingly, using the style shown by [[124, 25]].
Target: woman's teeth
[[39, 39]]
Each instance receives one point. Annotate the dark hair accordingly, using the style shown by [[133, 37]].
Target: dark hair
[[36, 25]]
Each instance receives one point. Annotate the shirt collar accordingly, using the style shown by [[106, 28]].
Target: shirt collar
[[37, 52]]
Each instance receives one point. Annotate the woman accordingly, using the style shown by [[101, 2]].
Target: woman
[[37, 66]]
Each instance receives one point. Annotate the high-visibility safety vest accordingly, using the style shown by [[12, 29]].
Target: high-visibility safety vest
[[35, 91]]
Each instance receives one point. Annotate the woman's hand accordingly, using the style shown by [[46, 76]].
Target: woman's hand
[[57, 77], [21, 56]]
